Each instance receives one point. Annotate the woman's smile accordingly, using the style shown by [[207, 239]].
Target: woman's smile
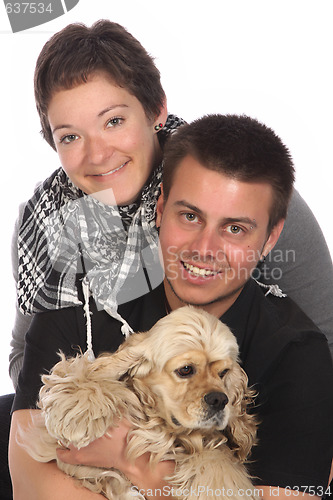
[[112, 171]]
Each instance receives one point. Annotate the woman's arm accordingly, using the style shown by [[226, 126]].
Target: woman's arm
[[49, 333], [301, 265], [21, 326], [22, 322], [39, 481], [110, 451]]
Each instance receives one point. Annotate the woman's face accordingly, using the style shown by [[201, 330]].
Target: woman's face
[[105, 142]]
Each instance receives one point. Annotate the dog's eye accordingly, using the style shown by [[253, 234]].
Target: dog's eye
[[224, 372], [185, 371]]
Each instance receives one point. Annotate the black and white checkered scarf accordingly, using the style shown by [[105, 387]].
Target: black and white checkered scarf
[[65, 234]]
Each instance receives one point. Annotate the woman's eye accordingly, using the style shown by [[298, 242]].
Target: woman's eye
[[67, 139], [185, 371], [114, 121]]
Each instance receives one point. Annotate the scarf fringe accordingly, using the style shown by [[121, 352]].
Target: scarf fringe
[[273, 289]]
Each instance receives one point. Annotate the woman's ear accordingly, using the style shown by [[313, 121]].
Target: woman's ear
[[273, 238], [159, 208], [161, 118]]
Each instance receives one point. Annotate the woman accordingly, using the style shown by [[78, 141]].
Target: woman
[[103, 109], [107, 123], [114, 111]]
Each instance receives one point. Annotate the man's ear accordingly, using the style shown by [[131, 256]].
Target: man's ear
[[273, 238], [159, 208]]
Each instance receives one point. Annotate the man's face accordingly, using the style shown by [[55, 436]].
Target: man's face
[[213, 231]]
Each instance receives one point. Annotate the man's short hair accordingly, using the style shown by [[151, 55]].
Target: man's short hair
[[77, 52], [239, 147]]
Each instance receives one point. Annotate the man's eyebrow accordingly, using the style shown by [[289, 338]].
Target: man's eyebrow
[[225, 220], [101, 113], [186, 204], [240, 220]]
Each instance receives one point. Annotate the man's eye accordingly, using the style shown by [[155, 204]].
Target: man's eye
[[185, 371], [190, 217], [234, 229], [66, 139]]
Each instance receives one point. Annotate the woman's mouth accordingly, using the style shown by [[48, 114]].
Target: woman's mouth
[[112, 171]]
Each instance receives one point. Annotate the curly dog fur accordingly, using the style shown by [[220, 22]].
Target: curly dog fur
[[182, 389]]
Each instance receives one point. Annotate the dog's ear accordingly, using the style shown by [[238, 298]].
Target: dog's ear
[[242, 426], [131, 358], [80, 400]]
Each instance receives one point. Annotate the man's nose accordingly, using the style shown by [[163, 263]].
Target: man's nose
[[207, 244]]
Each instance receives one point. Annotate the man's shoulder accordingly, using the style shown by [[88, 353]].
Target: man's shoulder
[[279, 314], [273, 324]]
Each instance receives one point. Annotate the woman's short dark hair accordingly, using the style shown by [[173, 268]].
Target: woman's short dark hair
[[77, 52], [239, 147]]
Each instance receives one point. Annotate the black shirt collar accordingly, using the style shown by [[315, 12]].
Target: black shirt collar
[[151, 307], [241, 315]]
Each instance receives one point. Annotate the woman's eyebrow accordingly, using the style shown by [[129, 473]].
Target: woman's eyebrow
[[59, 127], [101, 113], [111, 108]]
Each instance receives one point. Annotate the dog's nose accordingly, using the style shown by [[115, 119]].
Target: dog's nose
[[216, 400]]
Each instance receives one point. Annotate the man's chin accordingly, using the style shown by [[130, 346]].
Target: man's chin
[[196, 298], [200, 298]]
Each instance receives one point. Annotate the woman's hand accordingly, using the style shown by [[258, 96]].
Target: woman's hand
[[109, 451], [34, 480]]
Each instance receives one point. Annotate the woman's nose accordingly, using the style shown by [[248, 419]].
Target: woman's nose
[[99, 150]]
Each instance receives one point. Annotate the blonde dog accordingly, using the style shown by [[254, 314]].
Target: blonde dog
[[184, 393]]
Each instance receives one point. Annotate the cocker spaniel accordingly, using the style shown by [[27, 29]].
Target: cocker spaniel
[[185, 395]]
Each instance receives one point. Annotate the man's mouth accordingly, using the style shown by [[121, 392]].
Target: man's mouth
[[198, 271], [112, 171]]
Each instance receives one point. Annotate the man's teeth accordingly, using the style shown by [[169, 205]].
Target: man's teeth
[[198, 271]]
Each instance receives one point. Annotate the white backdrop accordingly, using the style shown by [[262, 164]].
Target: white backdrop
[[268, 59]]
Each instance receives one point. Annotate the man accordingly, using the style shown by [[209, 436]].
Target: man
[[227, 182], [225, 196]]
